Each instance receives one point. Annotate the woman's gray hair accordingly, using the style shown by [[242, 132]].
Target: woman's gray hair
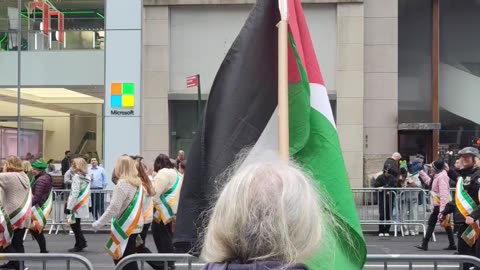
[[266, 211]]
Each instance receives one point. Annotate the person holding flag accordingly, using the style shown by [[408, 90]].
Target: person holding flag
[[125, 211], [269, 94], [16, 202], [77, 203], [466, 202], [41, 185]]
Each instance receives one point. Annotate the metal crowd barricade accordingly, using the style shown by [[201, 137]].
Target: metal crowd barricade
[[49, 257], [178, 259], [385, 261], [98, 203], [398, 207]]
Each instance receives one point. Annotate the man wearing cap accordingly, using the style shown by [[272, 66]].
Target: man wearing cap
[[440, 191], [466, 190], [41, 189]]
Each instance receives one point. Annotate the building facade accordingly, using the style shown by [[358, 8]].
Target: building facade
[[111, 79]]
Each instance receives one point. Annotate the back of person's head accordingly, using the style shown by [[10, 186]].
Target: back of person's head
[[267, 211], [13, 164], [162, 162], [438, 166], [79, 165], [27, 166], [147, 183], [126, 170]]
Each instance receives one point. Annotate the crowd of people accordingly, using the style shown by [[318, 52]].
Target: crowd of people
[[458, 212], [143, 199]]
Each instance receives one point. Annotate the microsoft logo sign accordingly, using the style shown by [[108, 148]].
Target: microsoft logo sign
[[122, 96]]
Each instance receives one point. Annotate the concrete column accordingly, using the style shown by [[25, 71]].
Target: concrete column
[[349, 81], [381, 82], [123, 66], [155, 129]]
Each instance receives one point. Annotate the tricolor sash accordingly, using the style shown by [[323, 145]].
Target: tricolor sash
[[435, 197], [147, 207], [6, 232], [40, 214], [163, 209], [23, 212], [466, 205], [81, 200], [123, 227]]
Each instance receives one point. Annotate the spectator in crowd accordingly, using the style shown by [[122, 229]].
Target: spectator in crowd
[[127, 193], [99, 182], [440, 191], [77, 206], [180, 157], [385, 198], [409, 199], [68, 177], [66, 162], [267, 194], [393, 164], [14, 194], [167, 184], [41, 189]]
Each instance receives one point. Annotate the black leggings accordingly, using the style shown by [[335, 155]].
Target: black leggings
[[129, 250], [40, 238], [80, 241], [16, 247], [163, 238]]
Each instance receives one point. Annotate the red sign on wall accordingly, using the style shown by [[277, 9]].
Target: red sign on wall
[[192, 81]]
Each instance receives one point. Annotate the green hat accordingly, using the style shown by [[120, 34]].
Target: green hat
[[39, 164], [403, 164]]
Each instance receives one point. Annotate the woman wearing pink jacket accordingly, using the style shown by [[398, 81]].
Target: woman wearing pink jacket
[[440, 191]]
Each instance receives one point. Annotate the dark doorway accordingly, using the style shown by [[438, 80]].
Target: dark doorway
[[413, 142], [183, 124]]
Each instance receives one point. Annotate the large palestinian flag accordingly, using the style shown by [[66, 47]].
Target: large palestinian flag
[[241, 112]]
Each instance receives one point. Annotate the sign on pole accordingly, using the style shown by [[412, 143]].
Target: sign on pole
[[192, 81]]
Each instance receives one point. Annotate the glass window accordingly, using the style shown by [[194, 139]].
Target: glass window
[[414, 61], [459, 73]]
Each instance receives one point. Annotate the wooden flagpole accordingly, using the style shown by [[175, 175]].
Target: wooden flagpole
[[283, 130]]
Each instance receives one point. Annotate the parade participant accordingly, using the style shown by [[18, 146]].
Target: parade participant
[[440, 191], [125, 211], [149, 192], [266, 194], [41, 202], [466, 202], [77, 204], [167, 184], [16, 201]]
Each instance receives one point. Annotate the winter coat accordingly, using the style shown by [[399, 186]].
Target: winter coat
[[440, 185], [41, 188], [14, 187], [263, 265], [78, 183], [394, 168], [386, 181], [472, 190], [123, 195]]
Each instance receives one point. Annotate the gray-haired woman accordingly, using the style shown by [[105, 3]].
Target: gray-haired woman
[[256, 222]]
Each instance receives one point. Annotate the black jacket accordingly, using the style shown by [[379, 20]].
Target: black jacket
[[472, 190], [65, 165], [392, 166], [385, 180]]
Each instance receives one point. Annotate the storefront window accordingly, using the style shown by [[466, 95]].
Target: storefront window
[[54, 100]]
